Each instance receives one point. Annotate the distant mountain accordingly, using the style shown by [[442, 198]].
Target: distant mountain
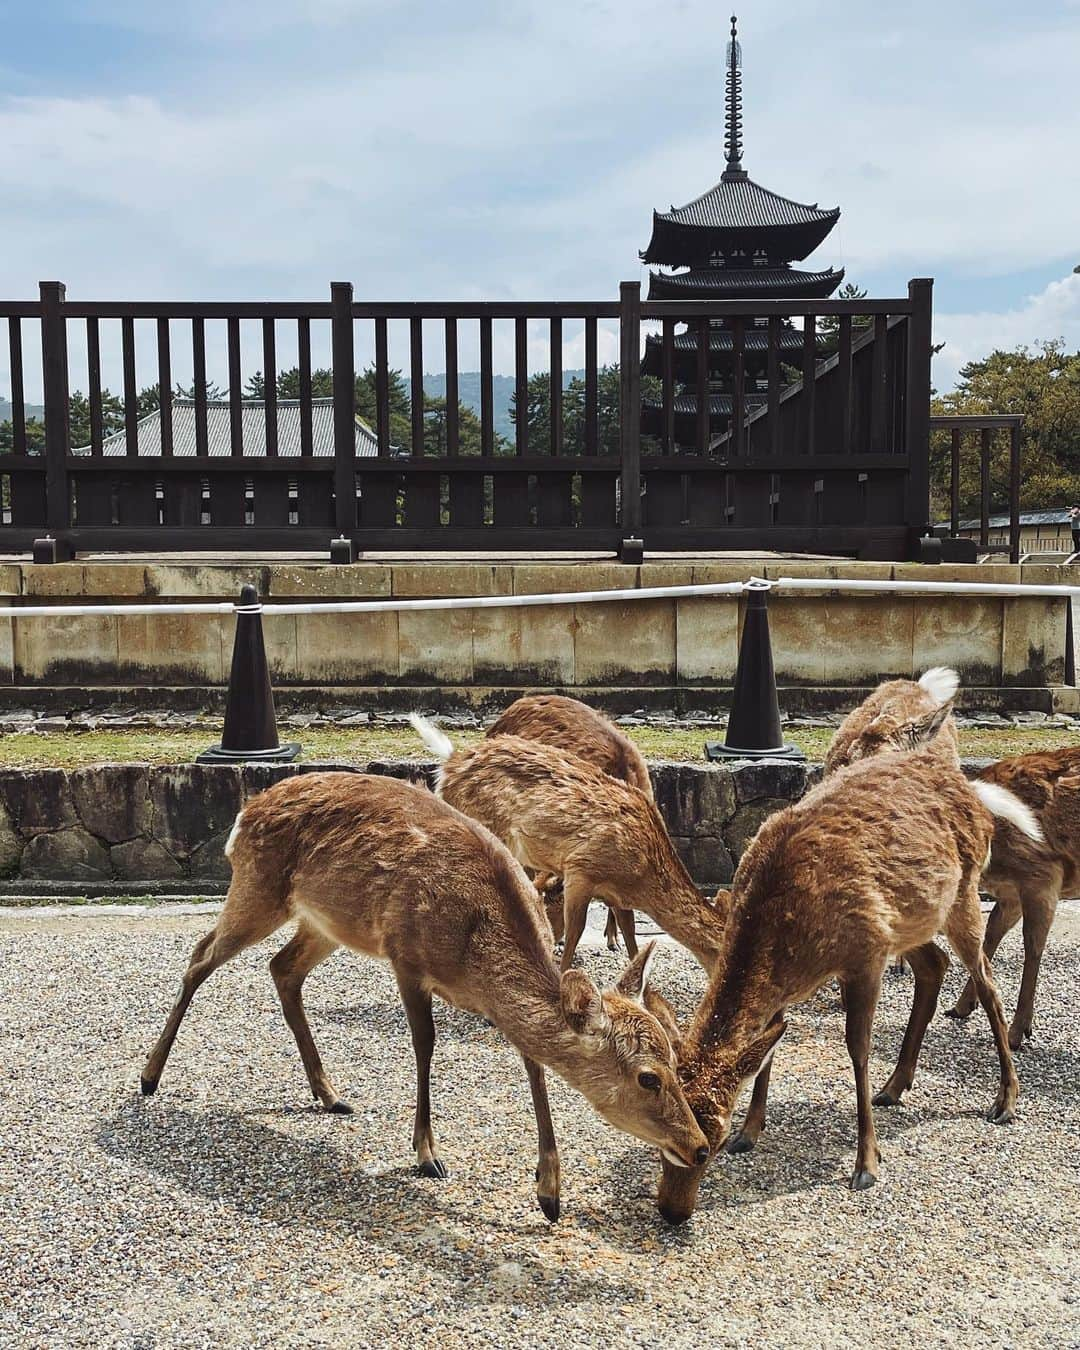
[[32, 410], [502, 390]]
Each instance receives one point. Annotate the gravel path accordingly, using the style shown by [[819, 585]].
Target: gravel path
[[225, 1212]]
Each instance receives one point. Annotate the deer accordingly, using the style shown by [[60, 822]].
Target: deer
[[386, 869], [572, 725], [558, 814], [881, 857], [1026, 878]]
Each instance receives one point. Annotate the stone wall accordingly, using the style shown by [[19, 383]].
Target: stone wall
[[116, 828], [673, 653]]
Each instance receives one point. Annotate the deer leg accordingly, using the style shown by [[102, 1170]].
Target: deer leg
[[417, 1003], [554, 907], [577, 892], [611, 931], [862, 997], [625, 920], [963, 931], [289, 968], [547, 1166], [1003, 917], [239, 925], [754, 1121], [1039, 906], [929, 963]]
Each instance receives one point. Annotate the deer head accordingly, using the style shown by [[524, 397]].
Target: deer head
[[713, 1076], [624, 1063], [899, 715]]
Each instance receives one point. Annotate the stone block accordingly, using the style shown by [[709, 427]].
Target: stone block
[[796, 627], [144, 860], [356, 581], [53, 579], [10, 579], [11, 845], [67, 649], [65, 855], [113, 801], [866, 639], [748, 820], [707, 859], [519, 647], [962, 631], [208, 862], [562, 578], [438, 579], [205, 581], [7, 651], [116, 580], [347, 648], [665, 574], [37, 800], [435, 646], [172, 648], [706, 639], [833, 571], [769, 778], [720, 573], [279, 637], [256, 778], [625, 642], [1033, 641], [192, 803], [694, 800]]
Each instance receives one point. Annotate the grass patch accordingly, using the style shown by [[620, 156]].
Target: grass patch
[[359, 745]]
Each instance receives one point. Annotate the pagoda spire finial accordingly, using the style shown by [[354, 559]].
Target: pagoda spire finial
[[733, 108]]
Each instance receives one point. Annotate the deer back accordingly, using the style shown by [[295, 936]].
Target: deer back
[[571, 725]]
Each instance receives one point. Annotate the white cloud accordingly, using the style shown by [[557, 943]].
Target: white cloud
[[1054, 312]]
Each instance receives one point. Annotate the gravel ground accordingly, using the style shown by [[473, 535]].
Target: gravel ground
[[225, 1212]]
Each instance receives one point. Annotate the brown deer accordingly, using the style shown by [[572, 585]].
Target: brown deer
[[386, 869], [572, 725], [1026, 878], [879, 858], [558, 814]]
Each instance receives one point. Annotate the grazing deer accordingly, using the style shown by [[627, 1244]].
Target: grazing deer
[[879, 858], [383, 867], [899, 715], [1025, 877], [572, 725], [558, 814]]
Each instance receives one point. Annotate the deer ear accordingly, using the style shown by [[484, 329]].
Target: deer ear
[[582, 1005], [924, 729], [758, 1053], [635, 978]]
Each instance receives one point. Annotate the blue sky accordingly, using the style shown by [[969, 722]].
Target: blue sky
[[217, 149]]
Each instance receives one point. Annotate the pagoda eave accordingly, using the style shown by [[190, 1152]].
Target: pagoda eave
[[764, 283], [675, 245]]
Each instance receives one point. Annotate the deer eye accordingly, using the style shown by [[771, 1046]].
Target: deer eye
[[649, 1081]]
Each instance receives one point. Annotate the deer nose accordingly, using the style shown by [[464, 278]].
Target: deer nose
[[701, 1157]]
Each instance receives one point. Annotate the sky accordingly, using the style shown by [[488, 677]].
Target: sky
[[514, 149]]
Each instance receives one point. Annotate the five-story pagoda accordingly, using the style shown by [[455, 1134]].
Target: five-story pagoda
[[738, 240]]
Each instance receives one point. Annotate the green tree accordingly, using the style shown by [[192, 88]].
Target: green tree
[[1042, 383], [608, 394]]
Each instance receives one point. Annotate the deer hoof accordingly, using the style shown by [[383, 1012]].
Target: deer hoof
[[886, 1098], [148, 1086], [741, 1142], [958, 1013], [432, 1167], [340, 1108], [551, 1207], [862, 1181], [1000, 1115]]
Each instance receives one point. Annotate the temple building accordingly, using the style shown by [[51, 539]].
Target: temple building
[[737, 240]]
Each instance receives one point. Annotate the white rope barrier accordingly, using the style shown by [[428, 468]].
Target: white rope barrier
[[455, 602]]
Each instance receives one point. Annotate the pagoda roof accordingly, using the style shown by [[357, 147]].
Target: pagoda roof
[[722, 340], [737, 212], [720, 405], [703, 283]]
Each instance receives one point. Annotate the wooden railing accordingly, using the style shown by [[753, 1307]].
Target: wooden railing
[[988, 427], [836, 462]]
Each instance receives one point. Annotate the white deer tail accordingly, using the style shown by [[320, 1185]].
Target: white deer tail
[[940, 683], [1007, 805], [436, 741]]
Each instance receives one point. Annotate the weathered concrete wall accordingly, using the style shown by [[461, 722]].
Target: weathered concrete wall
[[682, 652], [129, 825]]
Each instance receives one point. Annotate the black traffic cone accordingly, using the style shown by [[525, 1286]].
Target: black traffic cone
[[250, 730], [753, 730]]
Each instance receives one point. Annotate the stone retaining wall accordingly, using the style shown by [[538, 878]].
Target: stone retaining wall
[[115, 827]]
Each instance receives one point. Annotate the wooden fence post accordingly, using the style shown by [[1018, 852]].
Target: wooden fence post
[[917, 408], [54, 373], [343, 359], [631, 547]]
